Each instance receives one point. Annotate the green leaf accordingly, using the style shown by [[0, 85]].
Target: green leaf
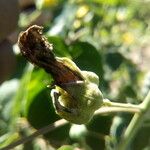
[[87, 57], [40, 111], [114, 60], [39, 80], [8, 139], [38, 106], [22, 91], [60, 48], [98, 127], [7, 91], [58, 136]]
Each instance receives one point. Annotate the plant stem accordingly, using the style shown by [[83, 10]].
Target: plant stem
[[122, 106], [109, 110], [135, 124], [36, 133]]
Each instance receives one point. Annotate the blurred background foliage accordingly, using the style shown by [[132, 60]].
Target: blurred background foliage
[[108, 37]]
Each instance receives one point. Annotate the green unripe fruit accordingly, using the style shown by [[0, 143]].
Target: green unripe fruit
[[78, 101]]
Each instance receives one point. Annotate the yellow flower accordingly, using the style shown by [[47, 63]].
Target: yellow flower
[[46, 3], [50, 2], [128, 38], [82, 11]]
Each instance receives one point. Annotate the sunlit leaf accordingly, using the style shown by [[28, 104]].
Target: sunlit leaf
[[38, 106]]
